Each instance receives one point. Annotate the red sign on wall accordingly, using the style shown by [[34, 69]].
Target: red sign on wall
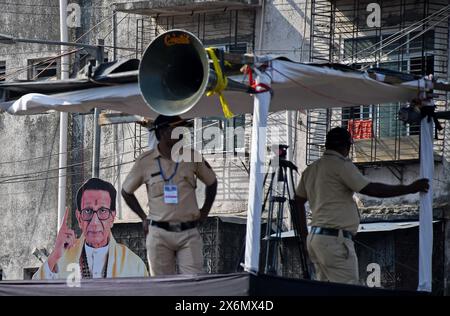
[[360, 129]]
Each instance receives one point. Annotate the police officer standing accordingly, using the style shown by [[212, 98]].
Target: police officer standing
[[171, 225], [329, 184]]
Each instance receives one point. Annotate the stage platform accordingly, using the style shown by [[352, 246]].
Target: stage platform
[[236, 284]]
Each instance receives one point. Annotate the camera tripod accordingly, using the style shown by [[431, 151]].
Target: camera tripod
[[279, 192]]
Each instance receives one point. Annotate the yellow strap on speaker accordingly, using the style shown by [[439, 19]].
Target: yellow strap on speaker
[[222, 83]]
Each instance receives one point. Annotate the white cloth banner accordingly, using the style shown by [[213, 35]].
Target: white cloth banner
[[257, 160], [426, 207], [296, 86]]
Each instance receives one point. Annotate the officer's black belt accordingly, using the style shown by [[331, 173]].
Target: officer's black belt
[[330, 232], [174, 227]]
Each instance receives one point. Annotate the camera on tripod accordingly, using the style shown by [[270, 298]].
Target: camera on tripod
[[280, 150], [279, 158], [280, 194]]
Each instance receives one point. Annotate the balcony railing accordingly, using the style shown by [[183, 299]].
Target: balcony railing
[[378, 135]]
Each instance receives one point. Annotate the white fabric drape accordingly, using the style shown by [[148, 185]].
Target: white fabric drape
[[296, 86], [426, 207], [257, 160]]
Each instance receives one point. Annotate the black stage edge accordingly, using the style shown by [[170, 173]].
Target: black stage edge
[[236, 284]]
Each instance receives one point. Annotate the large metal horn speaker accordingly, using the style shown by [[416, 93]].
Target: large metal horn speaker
[[174, 72]]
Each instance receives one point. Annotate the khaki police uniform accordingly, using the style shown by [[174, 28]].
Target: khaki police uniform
[[329, 184], [173, 236]]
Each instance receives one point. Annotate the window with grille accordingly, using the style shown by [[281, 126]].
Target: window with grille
[[42, 69], [412, 37], [221, 135], [233, 31], [378, 134], [2, 70]]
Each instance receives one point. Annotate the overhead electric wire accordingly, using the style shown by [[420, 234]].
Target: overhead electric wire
[[7, 178], [78, 39], [46, 5], [29, 179], [56, 50], [34, 176], [69, 151], [60, 55], [344, 101], [4, 178], [398, 35], [410, 39], [28, 13], [304, 30], [95, 26], [39, 63], [385, 42], [34, 191]]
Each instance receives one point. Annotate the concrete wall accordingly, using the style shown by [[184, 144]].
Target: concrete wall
[[286, 29], [441, 184], [37, 19], [28, 208]]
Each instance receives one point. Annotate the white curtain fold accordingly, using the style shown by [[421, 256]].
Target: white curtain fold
[[256, 190], [426, 206]]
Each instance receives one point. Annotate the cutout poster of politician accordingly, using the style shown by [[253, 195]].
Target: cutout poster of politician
[[95, 254]]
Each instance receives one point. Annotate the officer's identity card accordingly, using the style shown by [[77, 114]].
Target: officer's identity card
[[170, 194]]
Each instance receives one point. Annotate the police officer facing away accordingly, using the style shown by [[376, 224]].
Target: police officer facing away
[[171, 225], [329, 184]]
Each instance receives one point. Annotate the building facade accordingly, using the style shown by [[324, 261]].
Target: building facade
[[411, 36]]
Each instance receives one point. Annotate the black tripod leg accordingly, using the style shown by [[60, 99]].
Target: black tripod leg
[[242, 254], [280, 200], [298, 230], [268, 191]]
